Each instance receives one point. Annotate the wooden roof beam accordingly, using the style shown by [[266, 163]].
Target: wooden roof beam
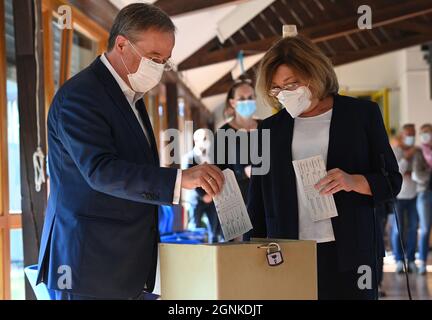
[[339, 58], [175, 8], [317, 33]]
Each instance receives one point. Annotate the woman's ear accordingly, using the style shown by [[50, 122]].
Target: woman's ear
[[232, 103]]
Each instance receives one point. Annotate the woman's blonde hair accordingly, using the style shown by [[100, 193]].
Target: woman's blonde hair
[[307, 61]]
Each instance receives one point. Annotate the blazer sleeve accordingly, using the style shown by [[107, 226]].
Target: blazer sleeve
[[85, 133], [382, 158], [255, 203]]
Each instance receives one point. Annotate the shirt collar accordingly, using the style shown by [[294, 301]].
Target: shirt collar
[[131, 96]]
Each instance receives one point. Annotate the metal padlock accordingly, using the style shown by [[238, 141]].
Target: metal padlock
[[274, 255]]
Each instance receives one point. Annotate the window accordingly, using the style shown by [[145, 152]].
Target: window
[[13, 285], [17, 265], [56, 46], [84, 51], [66, 52]]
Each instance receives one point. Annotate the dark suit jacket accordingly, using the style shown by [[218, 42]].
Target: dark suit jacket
[[106, 185], [358, 143]]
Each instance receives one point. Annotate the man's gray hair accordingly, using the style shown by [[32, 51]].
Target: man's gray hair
[[138, 17]]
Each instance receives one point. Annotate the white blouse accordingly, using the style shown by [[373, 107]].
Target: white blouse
[[311, 138]]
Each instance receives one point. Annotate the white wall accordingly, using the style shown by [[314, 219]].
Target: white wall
[[405, 73], [375, 74], [416, 102]]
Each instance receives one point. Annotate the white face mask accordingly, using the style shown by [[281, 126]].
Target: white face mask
[[296, 102], [148, 75], [409, 141], [425, 138]]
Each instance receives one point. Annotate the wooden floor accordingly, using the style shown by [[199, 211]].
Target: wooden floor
[[395, 287]]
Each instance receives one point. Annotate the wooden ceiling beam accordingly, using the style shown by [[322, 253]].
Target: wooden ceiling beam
[[175, 8], [414, 26], [352, 56], [319, 32], [339, 58]]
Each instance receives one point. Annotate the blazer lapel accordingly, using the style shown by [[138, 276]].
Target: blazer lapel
[[121, 103], [288, 179], [336, 134]]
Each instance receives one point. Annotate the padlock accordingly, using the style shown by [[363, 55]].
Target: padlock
[[274, 255]]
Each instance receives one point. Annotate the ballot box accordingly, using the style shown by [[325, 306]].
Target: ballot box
[[239, 271]]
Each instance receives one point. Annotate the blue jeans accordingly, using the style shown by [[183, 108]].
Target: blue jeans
[[424, 209], [62, 295], [406, 209]]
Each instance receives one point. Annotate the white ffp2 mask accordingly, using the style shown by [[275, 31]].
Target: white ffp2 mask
[[296, 102], [148, 75]]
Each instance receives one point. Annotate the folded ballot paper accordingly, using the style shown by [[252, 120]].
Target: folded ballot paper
[[309, 172], [231, 209]]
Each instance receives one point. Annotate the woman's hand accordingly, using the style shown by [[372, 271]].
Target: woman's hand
[[338, 180]]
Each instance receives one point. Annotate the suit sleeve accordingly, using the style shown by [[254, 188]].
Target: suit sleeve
[[85, 133], [381, 155], [255, 203]]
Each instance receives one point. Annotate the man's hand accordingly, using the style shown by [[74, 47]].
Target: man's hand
[[207, 199], [206, 176]]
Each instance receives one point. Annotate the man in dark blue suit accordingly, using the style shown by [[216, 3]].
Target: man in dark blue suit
[[101, 228]]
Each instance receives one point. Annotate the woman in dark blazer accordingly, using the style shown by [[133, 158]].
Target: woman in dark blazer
[[350, 136]]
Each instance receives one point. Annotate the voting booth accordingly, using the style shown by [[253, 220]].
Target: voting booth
[[239, 271]]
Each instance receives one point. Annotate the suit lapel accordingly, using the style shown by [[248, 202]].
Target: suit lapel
[[148, 126], [119, 99]]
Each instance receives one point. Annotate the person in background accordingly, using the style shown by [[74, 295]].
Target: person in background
[[199, 202], [241, 100], [406, 201], [421, 174], [297, 77]]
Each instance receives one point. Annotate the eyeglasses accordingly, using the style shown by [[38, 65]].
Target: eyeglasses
[[289, 87], [167, 64]]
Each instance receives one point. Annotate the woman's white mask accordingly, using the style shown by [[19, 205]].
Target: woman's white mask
[[296, 102], [148, 75]]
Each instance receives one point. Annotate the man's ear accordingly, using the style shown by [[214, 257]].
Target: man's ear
[[121, 43]]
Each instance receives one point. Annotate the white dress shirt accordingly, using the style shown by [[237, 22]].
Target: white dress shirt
[[311, 138], [132, 97]]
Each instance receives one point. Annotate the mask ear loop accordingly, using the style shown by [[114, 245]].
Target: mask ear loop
[[127, 69], [135, 49]]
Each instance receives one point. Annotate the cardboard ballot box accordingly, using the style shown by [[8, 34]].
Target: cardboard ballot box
[[238, 271]]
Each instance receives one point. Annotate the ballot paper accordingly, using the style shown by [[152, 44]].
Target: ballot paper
[[231, 209], [309, 172]]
